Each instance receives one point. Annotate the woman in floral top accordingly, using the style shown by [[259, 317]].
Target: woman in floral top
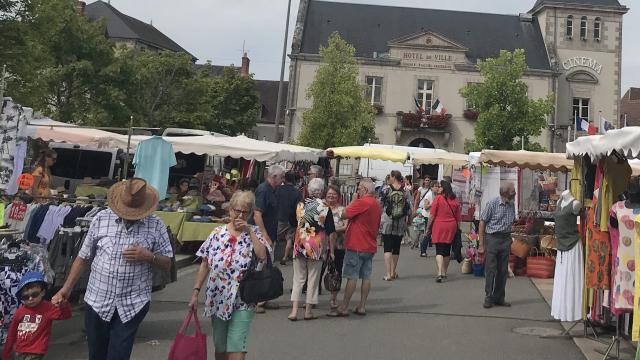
[[315, 224], [226, 256]]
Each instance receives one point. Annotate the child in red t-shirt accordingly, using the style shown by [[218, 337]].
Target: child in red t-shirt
[[30, 328]]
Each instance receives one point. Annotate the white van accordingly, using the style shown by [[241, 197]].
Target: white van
[[75, 163]]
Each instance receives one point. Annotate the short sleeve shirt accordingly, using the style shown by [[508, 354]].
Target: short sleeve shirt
[[498, 216], [152, 160], [267, 204], [115, 283], [364, 222]]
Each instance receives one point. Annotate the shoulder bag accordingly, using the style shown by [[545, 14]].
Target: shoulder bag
[[456, 246], [264, 285]]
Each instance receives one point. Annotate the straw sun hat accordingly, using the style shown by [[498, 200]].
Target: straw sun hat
[[132, 199]]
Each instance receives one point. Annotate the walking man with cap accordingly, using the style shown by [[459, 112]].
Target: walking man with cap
[[122, 245], [494, 237]]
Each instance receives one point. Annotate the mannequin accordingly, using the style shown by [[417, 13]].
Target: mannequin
[[566, 304], [566, 198]]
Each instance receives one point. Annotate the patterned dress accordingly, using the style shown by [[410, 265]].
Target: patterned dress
[[598, 255], [623, 266], [229, 257]]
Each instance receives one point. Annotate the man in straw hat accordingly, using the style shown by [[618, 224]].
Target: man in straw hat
[[122, 245]]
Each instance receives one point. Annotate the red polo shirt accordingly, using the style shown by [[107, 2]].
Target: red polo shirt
[[364, 222]]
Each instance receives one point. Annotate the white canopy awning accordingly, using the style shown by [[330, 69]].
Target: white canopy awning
[[68, 133], [236, 147], [527, 159], [625, 141], [440, 158]]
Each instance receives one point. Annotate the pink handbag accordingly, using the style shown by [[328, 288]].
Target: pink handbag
[[187, 347]]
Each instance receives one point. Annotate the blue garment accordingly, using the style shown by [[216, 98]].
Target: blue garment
[[153, 159]]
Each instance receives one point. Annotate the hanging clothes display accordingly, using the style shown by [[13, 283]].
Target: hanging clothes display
[[622, 232], [599, 255], [15, 261], [13, 123], [152, 160], [566, 303], [615, 182]]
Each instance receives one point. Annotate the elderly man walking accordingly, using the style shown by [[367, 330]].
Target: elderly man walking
[[494, 238], [122, 245], [364, 215]]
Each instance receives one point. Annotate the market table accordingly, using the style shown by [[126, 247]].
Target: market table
[[196, 231], [172, 220], [86, 190]]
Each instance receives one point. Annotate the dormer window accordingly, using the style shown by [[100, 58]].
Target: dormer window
[[583, 28], [597, 25], [569, 27]]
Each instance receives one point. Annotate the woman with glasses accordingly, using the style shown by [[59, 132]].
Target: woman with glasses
[[315, 226], [226, 256], [333, 200], [42, 175]]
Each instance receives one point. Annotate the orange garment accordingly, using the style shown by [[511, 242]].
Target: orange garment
[[598, 255], [43, 187]]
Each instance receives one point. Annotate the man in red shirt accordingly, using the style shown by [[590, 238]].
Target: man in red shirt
[[360, 244]]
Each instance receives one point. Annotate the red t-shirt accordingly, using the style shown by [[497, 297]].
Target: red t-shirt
[[364, 223], [30, 328]]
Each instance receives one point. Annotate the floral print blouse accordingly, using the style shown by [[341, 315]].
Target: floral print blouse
[[229, 257], [315, 220]]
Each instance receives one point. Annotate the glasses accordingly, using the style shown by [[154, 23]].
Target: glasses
[[30, 295], [241, 212]]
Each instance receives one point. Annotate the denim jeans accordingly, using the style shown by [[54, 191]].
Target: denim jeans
[[111, 340], [424, 244]]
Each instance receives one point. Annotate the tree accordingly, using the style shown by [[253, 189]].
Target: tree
[[234, 103], [340, 115], [506, 112]]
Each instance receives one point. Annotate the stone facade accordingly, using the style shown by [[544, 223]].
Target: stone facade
[[575, 69]]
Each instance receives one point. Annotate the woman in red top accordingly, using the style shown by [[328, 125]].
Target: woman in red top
[[443, 224]]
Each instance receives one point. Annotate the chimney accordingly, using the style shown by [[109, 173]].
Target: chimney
[[80, 7], [244, 70]]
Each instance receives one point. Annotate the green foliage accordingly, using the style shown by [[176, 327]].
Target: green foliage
[[340, 115], [63, 65], [506, 112]]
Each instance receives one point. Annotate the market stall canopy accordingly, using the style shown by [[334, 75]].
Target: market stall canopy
[[527, 159], [368, 152], [440, 158], [625, 141], [235, 147], [68, 133]]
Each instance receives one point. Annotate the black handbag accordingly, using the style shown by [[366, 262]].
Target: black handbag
[[332, 279], [264, 285]]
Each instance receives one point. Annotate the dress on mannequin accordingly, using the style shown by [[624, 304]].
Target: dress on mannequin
[[568, 282]]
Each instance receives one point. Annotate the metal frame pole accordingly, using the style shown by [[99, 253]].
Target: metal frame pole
[[281, 83]]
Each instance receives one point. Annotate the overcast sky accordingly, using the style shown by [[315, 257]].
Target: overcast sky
[[216, 29]]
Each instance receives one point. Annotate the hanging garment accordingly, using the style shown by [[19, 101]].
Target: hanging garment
[[152, 160], [623, 265], [52, 221], [18, 166], [566, 304], [13, 123], [614, 183], [635, 328], [13, 264], [35, 222], [598, 255]]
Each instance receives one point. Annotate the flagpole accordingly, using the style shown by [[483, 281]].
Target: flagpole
[[600, 127], [625, 120], [575, 125]]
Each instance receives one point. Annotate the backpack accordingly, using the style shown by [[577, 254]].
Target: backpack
[[396, 205]]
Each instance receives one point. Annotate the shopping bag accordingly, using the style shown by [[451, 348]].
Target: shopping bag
[[189, 347], [519, 248], [332, 279], [540, 266], [467, 267]]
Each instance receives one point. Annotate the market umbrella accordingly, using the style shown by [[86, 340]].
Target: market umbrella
[[527, 159], [368, 152]]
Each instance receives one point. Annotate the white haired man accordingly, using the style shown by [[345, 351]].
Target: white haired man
[[364, 215], [265, 214], [496, 221]]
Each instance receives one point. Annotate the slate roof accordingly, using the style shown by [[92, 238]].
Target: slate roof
[[370, 27], [122, 26], [597, 3], [268, 92]]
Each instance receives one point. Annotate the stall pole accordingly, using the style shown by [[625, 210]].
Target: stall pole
[[126, 163]]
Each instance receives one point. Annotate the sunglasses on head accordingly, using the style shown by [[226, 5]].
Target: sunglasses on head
[[31, 294]]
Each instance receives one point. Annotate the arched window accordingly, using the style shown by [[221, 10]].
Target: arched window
[[597, 25], [583, 28], [569, 27]]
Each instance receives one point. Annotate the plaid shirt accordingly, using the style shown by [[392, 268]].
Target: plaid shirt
[[498, 216], [115, 284]]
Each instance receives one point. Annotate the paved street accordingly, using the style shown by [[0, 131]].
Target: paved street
[[411, 318]]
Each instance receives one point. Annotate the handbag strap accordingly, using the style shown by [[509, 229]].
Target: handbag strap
[[185, 324], [450, 208]]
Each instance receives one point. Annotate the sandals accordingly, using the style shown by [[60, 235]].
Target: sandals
[[311, 317], [386, 278], [395, 276], [338, 314], [292, 318], [439, 279], [359, 312]]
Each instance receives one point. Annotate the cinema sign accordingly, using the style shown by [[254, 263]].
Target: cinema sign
[[582, 61]]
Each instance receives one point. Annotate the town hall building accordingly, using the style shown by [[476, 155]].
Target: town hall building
[[573, 50]]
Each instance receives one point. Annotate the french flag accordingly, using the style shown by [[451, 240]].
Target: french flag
[[581, 124], [438, 107], [418, 106]]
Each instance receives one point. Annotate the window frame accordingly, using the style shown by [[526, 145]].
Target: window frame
[[370, 92], [584, 28], [580, 106], [597, 29], [422, 93], [569, 28]]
